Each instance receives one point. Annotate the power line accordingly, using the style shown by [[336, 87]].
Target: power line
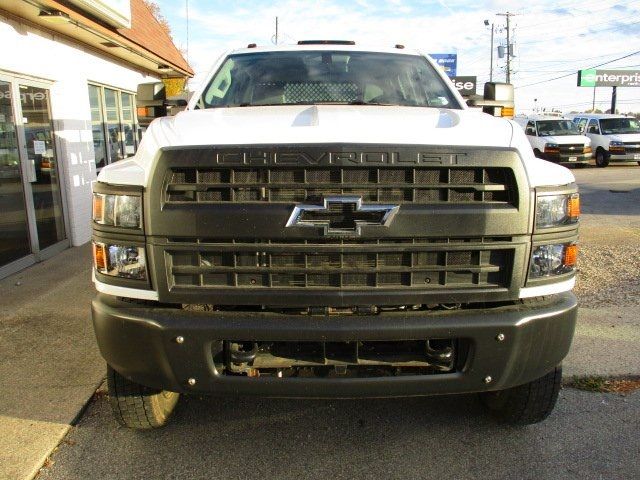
[[569, 74], [532, 42], [591, 12]]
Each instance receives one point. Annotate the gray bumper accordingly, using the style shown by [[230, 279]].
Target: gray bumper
[[139, 342]]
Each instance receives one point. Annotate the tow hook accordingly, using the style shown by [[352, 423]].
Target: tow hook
[[243, 352]]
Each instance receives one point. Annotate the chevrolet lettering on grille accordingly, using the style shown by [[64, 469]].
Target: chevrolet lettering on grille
[[342, 215]]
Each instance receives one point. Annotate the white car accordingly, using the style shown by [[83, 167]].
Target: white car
[[556, 139], [614, 138]]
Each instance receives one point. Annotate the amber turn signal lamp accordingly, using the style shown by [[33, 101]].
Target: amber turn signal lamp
[[571, 255], [99, 257], [98, 205], [507, 112], [573, 207]]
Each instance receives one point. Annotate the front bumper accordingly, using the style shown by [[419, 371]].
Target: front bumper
[[139, 342], [566, 159], [624, 157]]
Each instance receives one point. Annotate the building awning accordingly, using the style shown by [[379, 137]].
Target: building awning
[[145, 46]]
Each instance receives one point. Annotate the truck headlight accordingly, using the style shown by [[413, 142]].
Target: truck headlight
[[117, 210], [557, 210], [617, 147], [551, 148], [124, 261], [555, 259]]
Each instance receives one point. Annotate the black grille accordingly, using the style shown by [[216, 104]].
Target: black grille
[[334, 263], [372, 184], [632, 147], [571, 149]]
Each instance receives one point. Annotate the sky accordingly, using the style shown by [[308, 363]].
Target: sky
[[551, 38]]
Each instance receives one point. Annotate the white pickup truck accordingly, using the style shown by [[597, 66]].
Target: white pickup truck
[[331, 220]]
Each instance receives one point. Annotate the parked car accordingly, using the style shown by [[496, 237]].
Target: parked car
[[331, 220], [614, 138], [556, 139]]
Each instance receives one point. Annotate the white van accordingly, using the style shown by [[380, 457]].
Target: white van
[[614, 138], [556, 139]]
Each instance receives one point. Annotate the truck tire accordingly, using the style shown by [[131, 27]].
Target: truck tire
[[602, 158], [136, 406], [525, 404]]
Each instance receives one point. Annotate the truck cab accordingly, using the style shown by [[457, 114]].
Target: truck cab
[[556, 139], [331, 220], [614, 138]]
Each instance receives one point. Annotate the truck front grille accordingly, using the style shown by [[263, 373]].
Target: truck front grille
[[372, 184], [571, 149], [336, 264], [632, 147]]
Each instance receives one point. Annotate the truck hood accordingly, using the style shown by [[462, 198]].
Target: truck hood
[[333, 124], [625, 137], [566, 139], [303, 124]]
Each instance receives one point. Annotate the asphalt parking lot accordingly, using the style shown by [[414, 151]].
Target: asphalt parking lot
[[589, 435]]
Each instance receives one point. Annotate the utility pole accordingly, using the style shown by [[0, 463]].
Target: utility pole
[[486, 24], [491, 66], [187, 11], [508, 15], [614, 94], [276, 30]]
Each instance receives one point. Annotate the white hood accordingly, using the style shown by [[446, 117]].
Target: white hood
[[566, 139], [625, 137], [300, 124]]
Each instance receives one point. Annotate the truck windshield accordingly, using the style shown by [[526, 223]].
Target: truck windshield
[[326, 77], [619, 125], [557, 128]]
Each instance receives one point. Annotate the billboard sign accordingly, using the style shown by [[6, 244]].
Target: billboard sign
[[447, 61], [465, 85], [608, 78]]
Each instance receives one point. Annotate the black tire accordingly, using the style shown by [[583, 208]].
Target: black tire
[[525, 404], [602, 158], [136, 406]]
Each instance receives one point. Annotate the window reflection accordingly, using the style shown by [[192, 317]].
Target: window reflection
[[14, 230], [47, 201], [113, 124], [99, 147]]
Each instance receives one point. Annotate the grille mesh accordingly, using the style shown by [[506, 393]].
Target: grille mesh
[[365, 264], [297, 184]]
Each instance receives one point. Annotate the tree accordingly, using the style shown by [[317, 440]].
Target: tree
[[155, 10]]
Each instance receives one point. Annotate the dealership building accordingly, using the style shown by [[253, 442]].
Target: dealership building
[[69, 71]]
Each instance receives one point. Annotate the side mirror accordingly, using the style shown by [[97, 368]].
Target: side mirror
[[151, 93], [176, 102], [497, 100], [152, 102]]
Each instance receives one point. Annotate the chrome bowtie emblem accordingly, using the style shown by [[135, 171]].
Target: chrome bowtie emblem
[[342, 215]]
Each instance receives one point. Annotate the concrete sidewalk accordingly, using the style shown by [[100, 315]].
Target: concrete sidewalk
[[51, 366], [50, 362]]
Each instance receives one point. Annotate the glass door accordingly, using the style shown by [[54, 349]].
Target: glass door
[[14, 226], [40, 155], [32, 222]]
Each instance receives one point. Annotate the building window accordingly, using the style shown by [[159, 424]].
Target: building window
[[113, 123]]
